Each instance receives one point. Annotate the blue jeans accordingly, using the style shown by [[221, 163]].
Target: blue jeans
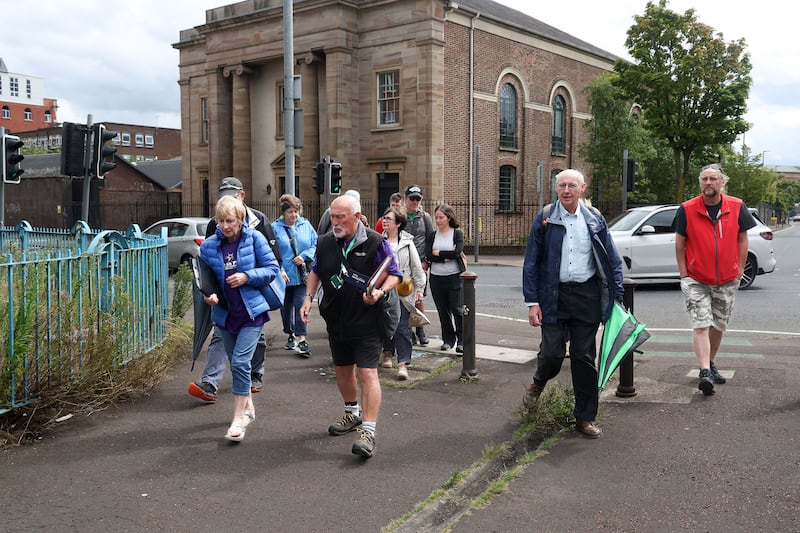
[[240, 348], [402, 338], [217, 359], [290, 312]]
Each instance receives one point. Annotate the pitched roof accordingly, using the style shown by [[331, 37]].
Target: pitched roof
[[166, 173]]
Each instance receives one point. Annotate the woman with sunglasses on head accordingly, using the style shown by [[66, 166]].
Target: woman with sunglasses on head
[[402, 243]]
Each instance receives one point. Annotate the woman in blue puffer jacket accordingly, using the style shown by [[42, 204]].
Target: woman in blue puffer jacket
[[242, 263]]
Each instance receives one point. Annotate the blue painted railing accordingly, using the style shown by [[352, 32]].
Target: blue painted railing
[[64, 291]]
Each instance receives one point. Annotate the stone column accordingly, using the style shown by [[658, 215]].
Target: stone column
[[241, 142]]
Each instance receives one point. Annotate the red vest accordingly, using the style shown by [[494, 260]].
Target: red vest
[[712, 246]]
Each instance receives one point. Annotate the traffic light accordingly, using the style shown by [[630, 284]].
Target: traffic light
[[319, 178], [102, 155], [73, 148], [336, 178], [11, 159], [630, 174]]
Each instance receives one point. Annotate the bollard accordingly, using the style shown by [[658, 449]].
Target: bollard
[[469, 372], [626, 388]]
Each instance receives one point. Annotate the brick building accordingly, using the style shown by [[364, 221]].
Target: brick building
[[22, 106], [399, 92]]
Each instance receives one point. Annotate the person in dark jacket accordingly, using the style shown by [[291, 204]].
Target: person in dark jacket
[[571, 276], [206, 388], [443, 249], [243, 266], [711, 249], [346, 258]]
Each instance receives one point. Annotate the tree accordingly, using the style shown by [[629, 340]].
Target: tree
[[691, 84]]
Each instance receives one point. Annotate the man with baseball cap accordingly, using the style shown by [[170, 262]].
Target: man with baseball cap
[[216, 358], [419, 225]]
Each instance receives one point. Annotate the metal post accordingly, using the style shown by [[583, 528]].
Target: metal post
[[469, 372], [477, 220], [288, 93], [626, 388], [87, 176], [624, 180]]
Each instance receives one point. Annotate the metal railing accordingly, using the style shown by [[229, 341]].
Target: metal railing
[[65, 294]]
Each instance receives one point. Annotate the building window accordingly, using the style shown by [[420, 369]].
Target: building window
[[126, 138], [48, 116], [508, 117], [281, 115], [6, 112], [506, 187], [139, 139], [204, 120], [14, 86], [116, 140], [28, 88], [389, 98], [28, 114], [559, 127], [148, 140], [1, 85]]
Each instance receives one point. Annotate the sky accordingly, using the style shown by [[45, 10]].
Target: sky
[[115, 61]]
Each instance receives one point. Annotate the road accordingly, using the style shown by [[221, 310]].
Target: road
[[767, 306]]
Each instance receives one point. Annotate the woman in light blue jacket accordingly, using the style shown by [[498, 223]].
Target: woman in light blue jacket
[[298, 245], [242, 264]]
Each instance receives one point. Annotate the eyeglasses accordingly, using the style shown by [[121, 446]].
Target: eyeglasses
[[564, 186], [415, 198], [388, 219]]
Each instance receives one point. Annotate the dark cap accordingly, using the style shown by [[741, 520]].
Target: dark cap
[[414, 190], [230, 186]]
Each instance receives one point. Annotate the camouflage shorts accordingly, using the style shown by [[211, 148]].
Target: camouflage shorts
[[708, 305]]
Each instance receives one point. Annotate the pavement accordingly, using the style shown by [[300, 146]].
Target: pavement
[[669, 459]]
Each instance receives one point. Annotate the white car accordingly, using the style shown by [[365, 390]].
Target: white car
[[184, 237], [645, 240]]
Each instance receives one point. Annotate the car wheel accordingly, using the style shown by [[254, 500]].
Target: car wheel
[[750, 270]]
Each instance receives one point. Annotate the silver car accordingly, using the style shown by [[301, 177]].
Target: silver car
[[645, 240], [184, 236]]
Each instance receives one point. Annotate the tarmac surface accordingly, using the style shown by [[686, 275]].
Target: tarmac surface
[[669, 459]]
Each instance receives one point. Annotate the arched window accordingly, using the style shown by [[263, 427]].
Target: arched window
[[48, 116], [508, 117], [558, 144], [28, 114], [506, 188], [6, 112]]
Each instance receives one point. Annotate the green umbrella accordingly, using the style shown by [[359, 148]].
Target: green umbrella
[[622, 333]]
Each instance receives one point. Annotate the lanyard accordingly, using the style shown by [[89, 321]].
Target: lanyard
[[349, 247]]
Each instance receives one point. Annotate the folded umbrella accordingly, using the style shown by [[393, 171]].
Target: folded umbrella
[[622, 333], [202, 323]]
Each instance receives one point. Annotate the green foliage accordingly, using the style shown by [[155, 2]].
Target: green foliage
[[787, 196], [182, 298], [691, 84]]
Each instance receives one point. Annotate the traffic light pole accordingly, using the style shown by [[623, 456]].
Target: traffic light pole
[[87, 177], [2, 185], [327, 161]]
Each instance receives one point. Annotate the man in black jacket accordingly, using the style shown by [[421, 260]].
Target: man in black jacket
[[216, 358], [353, 314]]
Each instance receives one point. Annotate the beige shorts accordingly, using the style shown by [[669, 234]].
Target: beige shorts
[[709, 305]]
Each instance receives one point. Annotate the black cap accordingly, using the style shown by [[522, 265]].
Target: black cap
[[414, 190], [230, 186]]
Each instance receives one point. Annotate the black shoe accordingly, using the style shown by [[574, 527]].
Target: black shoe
[[291, 343], [421, 337], [256, 382], [718, 378], [413, 338], [706, 382], [349, 422], [203, 390], [365, 445], [459, 348], [303, 349], [444, 347]]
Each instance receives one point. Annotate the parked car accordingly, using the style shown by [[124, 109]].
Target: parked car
[[184, 236], [645, 240]]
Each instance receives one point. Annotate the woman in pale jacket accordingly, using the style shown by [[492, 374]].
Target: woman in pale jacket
[[394, 220]]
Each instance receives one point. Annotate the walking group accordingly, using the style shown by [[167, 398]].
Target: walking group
[[370, 286]]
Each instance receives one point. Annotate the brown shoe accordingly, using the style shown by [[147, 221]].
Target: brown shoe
[[531, 395], [386, 359], [588, 428]]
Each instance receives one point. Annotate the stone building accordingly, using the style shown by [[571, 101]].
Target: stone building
[[399, 92]]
